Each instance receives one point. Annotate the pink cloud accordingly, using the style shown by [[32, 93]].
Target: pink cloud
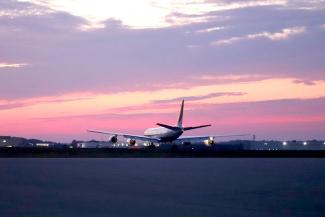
[[282, 119]]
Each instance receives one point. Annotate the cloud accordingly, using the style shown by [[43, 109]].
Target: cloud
[[149, 14], [307, 5], [14, 9], [27, 12], [271, 119], [20, 16], [231, 78], [306, 82], [62, 59], [228, 41], [12, 65], [130, 63], [274, 36], [221, 6], [284, 34], [211, 29], [13, 104], [201, 97]]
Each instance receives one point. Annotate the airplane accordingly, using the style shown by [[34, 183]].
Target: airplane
[[165, 134]]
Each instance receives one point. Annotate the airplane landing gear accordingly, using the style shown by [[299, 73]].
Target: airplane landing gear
[[151, 145], [174, 148]]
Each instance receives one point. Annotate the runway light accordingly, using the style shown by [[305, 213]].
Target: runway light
[[305, 143], [284, 143]]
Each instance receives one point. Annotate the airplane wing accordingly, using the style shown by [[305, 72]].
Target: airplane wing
[[209, 137], [128, 136], [235, 135]]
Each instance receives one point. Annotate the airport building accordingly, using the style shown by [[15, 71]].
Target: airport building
[[91, 144], [270, 145], [285, 145], [8, 141]]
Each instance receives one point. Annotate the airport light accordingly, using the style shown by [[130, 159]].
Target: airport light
[[42, 145], [265, 143], [305, 143], [4, 141], [284, 143]]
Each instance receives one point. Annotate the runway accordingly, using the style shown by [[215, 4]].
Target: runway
[[162, 187], [155, 153]]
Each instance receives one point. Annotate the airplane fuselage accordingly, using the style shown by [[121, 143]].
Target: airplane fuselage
[[164, 134]]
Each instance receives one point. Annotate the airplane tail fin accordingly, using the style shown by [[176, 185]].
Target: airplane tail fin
[[180, 118], [180, 122]]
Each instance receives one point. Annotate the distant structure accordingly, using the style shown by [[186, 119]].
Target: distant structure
[[10, 142], [270, 145]]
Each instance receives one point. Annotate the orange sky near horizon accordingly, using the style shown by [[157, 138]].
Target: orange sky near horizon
[[66, 66], [71, 113]]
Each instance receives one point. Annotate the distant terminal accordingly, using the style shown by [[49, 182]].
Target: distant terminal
[[271, 145]]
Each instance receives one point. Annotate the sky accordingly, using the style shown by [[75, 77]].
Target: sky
[[253, 67]]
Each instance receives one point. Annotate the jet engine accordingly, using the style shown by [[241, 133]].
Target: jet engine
[[113, 139], [209, 142], [131, 142]]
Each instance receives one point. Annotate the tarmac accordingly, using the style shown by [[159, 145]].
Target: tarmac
[[154, 153]]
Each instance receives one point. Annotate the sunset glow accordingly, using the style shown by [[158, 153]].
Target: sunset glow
[[66, 66]]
